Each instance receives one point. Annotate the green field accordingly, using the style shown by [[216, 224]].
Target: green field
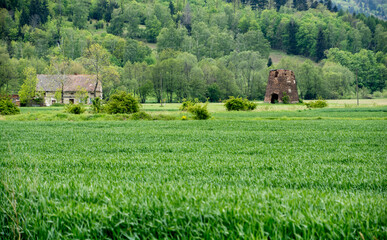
[[281, 171]]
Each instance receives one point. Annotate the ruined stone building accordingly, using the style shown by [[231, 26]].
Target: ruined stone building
[[48, 84], [281, 81]]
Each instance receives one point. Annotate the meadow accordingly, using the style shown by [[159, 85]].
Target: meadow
[[280, 171]]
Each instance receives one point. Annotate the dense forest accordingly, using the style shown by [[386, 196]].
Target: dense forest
[[377, 8], [206, 49]]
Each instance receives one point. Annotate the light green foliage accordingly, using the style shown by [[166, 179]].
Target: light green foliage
[[96, 59], [97, 106], [75, 108], [27, 91], [7, 107], [319, 179], [338, 79], [171, 38], [187, 104], [122, 102], [58, 95], [81, 94], [7, 71], [371, 74], [199, 111], [254, 41], [320, 103], [285, 98]]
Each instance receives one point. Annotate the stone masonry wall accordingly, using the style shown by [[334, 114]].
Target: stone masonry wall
[[280, 81]]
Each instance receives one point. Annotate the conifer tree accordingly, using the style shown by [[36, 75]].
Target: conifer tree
[[292, 41], [321, 45]]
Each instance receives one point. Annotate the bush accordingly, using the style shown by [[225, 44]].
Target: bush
[[377, 94], [122, 102], [199, 111], [7, 107], [239, 104], [188, 103], [141, 116], [285, 98], [96, 106], [75, 108], [250, 105], [234, 104], [99, 24], [321, 103]]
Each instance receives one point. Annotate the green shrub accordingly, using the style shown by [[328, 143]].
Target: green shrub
[[285, 98], [321, 103], [7, 107], [122, 102], [141, 116], [188, 103], [200, 111], [96, 106], [99, 24], [75, 108], [239, 104], [377, 94], [250, 105], [234, 104]]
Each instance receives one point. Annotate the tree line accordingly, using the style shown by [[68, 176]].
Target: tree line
[[172, 50]]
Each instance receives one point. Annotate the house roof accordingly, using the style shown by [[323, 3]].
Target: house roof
[[72, 83]]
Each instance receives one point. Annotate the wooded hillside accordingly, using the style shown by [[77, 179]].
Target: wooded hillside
[[205, 49]]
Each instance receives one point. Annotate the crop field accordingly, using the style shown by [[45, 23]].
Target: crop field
[[271, 173]]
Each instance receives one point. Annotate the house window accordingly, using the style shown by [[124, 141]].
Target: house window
[[53, 101], [71, 100]]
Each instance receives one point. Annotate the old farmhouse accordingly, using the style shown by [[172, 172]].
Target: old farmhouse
[[49, 84], [281, 82]]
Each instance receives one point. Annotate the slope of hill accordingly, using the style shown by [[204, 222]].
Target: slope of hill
[[377, 8]]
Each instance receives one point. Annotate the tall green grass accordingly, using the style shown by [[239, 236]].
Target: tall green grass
[[193, 179]]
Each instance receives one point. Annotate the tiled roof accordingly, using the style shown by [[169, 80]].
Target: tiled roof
[[50, 83]]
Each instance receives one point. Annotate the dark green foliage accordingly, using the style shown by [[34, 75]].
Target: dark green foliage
[[199, 111], [321, 45], [285, 98], [75, 108], [269, 62], [7, 107], [292, 41], [239, 104], [171, 7], [122, 102], [141, 116], [99, 24], [213, 92]]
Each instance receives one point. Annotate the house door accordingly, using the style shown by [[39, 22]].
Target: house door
[[274, 98]]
